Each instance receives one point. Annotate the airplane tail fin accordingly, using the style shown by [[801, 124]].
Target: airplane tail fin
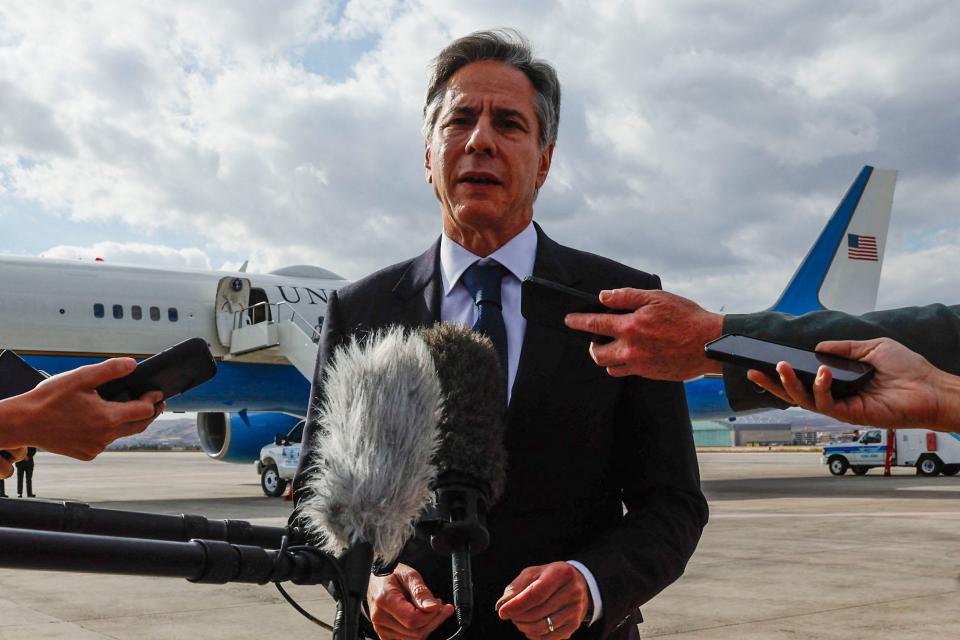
[[842, 269]]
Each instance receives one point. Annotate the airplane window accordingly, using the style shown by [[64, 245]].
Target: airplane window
[[98, 310], [172, 314], [136, 312], [118, 311], [155, 313]]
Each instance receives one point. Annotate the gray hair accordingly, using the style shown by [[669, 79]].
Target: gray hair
[[505, 45]]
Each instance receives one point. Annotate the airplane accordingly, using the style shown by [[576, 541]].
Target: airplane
[[841, 272], [263, 328]]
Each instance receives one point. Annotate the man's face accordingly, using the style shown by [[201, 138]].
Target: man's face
[[484, 158]]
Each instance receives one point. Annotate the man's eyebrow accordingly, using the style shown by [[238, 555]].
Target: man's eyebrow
[[499, 112], [504, 112], [463, 111]]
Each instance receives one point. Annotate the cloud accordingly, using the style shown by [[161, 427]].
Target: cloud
[[924, 275], [705, 142], [132, 253]]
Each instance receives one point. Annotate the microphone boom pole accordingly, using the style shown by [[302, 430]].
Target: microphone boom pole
[[77, 517], [201, 561]]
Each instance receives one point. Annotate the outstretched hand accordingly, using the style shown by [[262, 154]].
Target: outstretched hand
[[70, 418], [906, 389], [661, 337]]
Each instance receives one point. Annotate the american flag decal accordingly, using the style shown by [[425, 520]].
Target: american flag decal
[[862, 247]]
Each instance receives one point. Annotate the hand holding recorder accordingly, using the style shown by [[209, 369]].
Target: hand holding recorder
[[78, 413], [64, 414], [905, 391]]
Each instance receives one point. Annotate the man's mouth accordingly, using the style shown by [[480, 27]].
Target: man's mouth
[[480, 179]]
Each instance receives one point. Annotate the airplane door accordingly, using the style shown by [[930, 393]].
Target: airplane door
[[233, 294]]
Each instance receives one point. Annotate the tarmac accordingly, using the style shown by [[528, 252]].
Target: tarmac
[[790, 552]]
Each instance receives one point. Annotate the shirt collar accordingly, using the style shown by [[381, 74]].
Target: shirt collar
[[517, 255]]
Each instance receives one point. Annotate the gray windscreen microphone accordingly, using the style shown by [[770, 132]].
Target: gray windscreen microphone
[[376, 444]]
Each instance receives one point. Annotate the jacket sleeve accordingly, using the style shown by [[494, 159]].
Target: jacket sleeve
[[666, 511], [331, 337], [932, 331]]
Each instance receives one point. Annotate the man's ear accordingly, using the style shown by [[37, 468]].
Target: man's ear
[[546, 157], [428, 172]]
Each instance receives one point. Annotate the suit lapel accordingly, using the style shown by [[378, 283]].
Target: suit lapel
[[417, 291], [543, 348]]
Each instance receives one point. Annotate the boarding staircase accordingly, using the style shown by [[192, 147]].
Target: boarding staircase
[[273, 331]]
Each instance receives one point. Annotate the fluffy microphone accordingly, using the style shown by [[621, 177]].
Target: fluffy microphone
[[471, 425], [375, 445], [471, 462]]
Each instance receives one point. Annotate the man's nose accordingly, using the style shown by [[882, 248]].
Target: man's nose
[[481, 139]]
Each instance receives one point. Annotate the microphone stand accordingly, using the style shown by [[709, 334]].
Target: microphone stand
[[36, 541], [200, 561], [355, 566], [77, 517], [457, 528]]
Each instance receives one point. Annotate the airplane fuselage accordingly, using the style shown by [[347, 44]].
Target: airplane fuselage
[[62, 314]]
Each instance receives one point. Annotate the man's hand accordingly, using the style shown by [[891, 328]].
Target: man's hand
[[402, 607], [65, 415], [557, 590], [662, 338], [906, 390], [7, 461]]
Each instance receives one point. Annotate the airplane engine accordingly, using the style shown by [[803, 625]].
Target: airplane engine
[[238, 437]]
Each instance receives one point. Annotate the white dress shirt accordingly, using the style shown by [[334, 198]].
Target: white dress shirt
[[457, 305]]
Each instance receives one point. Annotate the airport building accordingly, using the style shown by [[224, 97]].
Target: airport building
[[713, 433]]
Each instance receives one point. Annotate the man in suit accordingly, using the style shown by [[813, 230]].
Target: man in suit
[[916, 351], [25, 470], [565, 559]]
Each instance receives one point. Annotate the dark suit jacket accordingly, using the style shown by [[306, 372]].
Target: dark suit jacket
[[581, 445], [932, 331]]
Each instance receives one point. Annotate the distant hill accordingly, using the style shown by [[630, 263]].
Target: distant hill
[[176, 433], [798, 419]]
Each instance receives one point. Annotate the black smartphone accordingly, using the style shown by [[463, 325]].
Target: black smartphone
[[547, 303], [16, 376], [763, 355], [172, 371]]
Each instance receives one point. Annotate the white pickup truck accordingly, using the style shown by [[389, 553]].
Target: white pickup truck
[[932, 453], [278, 461]]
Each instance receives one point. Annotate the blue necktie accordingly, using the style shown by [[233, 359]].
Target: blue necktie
[[483, 283]]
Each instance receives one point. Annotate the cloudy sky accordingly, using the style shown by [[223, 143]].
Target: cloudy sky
[[705, 141]]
